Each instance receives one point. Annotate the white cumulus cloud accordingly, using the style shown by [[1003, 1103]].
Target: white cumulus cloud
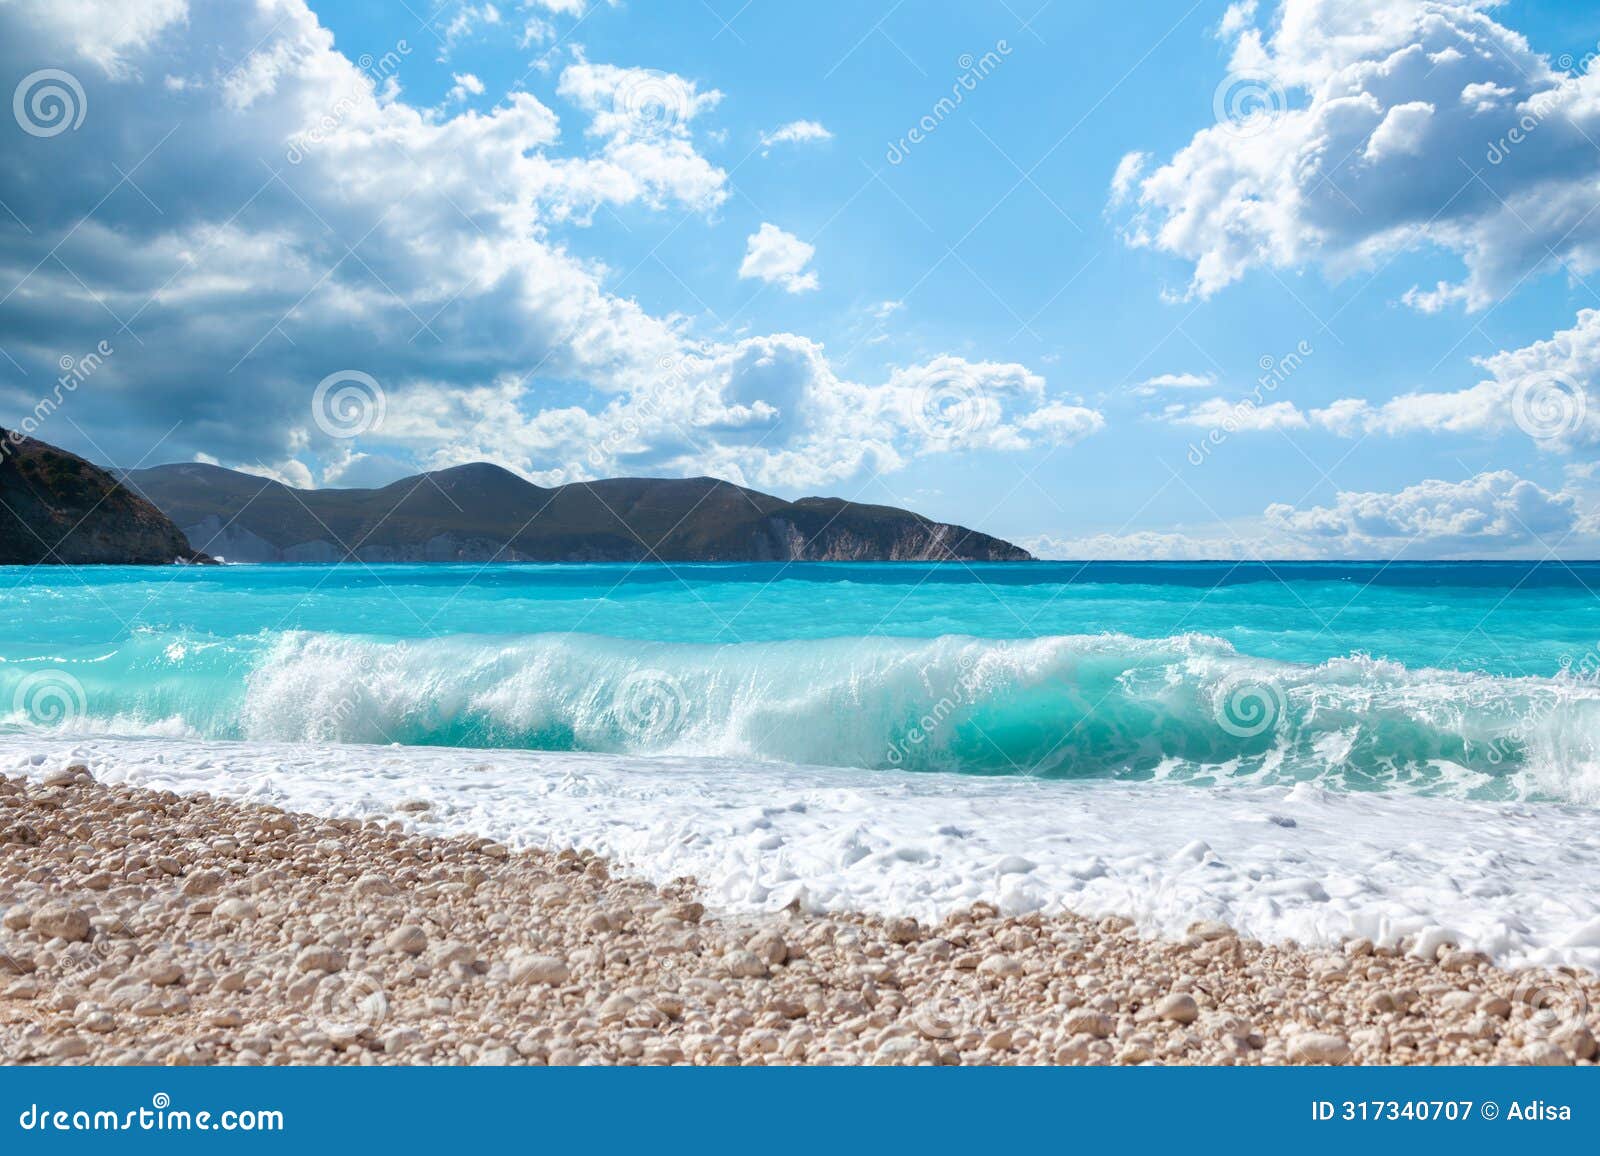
[[796, 132], [1495, 514], [313, 221], [778, 258], [1235, 416], [1380, 126], [1545, 390]]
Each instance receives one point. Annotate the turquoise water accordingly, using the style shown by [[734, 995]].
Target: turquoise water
[[1472, 679]]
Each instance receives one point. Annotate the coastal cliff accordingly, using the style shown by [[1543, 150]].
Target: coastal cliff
[[57, 508]]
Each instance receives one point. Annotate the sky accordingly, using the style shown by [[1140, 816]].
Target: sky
[[1305, 279]]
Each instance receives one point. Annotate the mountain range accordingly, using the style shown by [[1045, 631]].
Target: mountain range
[[481, 513]]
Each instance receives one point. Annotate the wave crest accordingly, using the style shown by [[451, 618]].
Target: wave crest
[[1103, 705]]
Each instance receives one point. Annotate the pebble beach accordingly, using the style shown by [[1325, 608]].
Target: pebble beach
[[145, 927]]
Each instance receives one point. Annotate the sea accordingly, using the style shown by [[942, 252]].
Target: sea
[[1404, 751]]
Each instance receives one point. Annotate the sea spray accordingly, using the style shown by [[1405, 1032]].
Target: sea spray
[[1082, 706]]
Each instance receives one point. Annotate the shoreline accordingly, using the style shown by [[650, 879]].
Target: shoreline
[[1277, 863], [142, 926]]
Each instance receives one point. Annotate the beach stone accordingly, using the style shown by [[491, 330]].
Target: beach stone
[[903, 930], [19, 834], [17, 917], [706, 988], [407, 938], [128, 993], [1580, 1042], [61, 921], [540, 969], [97, 1020], [69, 1047], [235, 910], [1495, 1005], [1001, 966], [1179, 1008], [1075, 1051], [1208, 930], [998, 1040], [1458, 1001], [743, 964], [319, 957], [769, 946], [399, 1039], [761, 1042], [373, 884], [453, 951], [200, 883], [66, 776], [935, 1025], [1087, 1021], [163, 972], [1545, 1054], [1318, 1048], [902, 1050]]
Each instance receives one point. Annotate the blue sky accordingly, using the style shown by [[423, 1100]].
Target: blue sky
[[573, 237]]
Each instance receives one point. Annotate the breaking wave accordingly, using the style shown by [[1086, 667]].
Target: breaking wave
[[1091, 706]]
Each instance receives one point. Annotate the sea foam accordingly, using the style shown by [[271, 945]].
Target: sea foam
[[1078, 706], [1516, 880]]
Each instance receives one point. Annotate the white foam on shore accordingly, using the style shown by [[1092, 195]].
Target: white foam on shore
[[1519, 881]]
